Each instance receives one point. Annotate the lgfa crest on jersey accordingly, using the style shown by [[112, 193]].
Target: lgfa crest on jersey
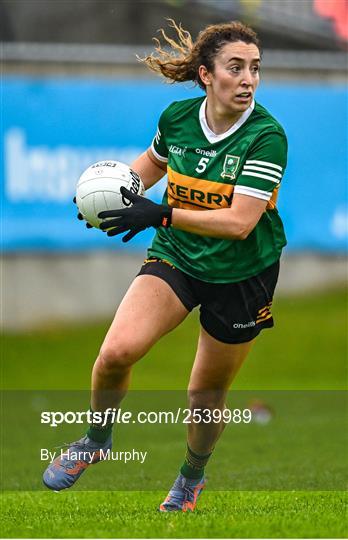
[[230, 166]]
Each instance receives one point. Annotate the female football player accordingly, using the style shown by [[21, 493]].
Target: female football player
[[218, 242]]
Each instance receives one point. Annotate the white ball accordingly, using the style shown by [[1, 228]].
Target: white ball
[[98, 189]]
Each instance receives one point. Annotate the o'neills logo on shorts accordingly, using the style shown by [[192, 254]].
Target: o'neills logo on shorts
[[187, 192], [246, 325]]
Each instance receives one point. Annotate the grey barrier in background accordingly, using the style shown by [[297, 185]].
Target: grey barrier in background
[[41, 289]]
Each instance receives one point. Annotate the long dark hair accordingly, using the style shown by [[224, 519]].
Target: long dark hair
[[181, 62]]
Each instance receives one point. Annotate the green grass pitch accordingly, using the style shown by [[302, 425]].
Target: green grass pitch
[[305, 351]]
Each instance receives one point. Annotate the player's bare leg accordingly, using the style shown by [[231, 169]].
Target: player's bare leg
[[149, 310], [216, 365]]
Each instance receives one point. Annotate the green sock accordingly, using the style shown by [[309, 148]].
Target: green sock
[[194, 464], [98, 432]]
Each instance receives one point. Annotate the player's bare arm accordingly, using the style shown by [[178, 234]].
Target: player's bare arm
[[235, 223], [149, 168]]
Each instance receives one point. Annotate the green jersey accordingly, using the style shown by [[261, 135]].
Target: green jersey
[[204, 171]]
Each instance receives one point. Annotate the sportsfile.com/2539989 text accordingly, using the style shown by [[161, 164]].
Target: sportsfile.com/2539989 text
[[118, 416]]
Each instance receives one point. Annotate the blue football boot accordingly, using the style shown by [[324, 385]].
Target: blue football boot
[[63, 472], [183, 495]]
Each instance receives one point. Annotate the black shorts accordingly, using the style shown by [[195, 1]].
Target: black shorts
[[229, 312]]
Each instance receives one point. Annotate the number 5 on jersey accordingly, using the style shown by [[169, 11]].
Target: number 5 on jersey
[[202, 164]]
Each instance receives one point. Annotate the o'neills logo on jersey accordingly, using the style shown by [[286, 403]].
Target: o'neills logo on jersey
[[206, 153], [177, 150], [187, 192]]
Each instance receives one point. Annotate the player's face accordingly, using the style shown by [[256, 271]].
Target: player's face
[[235, 78]]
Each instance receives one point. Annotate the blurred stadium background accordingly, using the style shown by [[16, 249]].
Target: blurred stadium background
[[73, 92]]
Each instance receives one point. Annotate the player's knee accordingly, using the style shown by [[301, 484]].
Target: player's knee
[[208, 400], [117, 356]]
